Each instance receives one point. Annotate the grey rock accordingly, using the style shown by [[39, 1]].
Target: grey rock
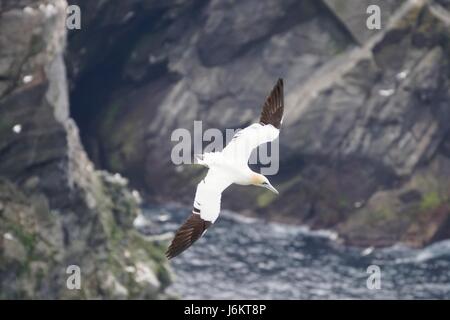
[[353, 14], [56, 209], [13, 249]]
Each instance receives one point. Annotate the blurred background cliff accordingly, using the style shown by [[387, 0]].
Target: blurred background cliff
[[365, 147]]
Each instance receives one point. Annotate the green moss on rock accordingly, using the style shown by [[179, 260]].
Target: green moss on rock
[[430, 201]]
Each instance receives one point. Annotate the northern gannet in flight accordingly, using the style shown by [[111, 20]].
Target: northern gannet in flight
[[227, 167]]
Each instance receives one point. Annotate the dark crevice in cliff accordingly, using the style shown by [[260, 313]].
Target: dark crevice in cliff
[[107, 71], [94, 86]]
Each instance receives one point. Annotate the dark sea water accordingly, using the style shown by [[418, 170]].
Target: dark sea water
[[243, 258]]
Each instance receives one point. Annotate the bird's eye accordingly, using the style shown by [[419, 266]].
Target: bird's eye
[[264, 183]]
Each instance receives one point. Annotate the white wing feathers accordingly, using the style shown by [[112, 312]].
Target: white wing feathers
[[246, 140], [209, 194]]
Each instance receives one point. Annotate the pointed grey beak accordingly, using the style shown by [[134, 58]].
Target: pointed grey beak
[[271, 188]]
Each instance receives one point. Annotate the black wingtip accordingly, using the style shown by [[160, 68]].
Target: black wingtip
[[191, 230], [168, 256], [272, 111]]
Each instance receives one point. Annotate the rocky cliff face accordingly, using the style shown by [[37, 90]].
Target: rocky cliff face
[[365, 143], [56, 210]]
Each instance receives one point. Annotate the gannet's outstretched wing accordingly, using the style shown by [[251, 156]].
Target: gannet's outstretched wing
[[205, 212], [191, 230], [272, 112], [245, 140]]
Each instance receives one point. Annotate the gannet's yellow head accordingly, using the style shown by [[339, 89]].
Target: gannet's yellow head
[[261, 181]]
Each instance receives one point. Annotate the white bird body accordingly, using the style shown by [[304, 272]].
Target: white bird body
[[227, 167]]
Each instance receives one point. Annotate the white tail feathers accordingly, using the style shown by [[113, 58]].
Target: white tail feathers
[[199, 159], [208, 159]]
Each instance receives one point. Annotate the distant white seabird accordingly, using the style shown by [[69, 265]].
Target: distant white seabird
[[227, 167]]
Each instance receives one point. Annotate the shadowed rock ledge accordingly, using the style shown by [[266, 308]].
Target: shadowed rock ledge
[[56, 210]]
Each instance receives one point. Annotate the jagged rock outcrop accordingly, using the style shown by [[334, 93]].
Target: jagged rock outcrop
[[367, 111], [56, 210], [384, 115]]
